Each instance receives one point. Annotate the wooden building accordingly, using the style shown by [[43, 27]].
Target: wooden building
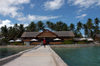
[[97, 37], [37, 37]]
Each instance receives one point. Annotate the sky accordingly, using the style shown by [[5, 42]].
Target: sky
[[68, 11]]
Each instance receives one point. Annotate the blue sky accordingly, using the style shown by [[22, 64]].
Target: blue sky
[[68, 11]]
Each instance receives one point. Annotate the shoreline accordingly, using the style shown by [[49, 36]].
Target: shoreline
[[18, 46], [53, 45], [74, 45]]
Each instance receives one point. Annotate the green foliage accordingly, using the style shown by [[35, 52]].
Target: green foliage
[[40, 25], [90, 28], [12, 32], [51, 25], [85, 30], [82, 42], [79, 27], [4, 41], [58, 26], [78, 35], [31, 27], [17, 43], [96, 28], [68, 42], [72, 27], [64, 27], [4, 31]]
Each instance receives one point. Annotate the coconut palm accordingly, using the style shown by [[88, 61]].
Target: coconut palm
[[21, 29], [31, 27], [40, 25], [90, 27], [96, 28], [51, 25], [64, 27], [59, 26], [79, 26], [72, 27], [4, 31], [85, 30]]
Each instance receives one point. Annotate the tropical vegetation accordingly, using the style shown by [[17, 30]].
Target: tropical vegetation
[[89, 28]]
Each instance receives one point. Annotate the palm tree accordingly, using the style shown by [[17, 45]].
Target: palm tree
[[59, 26], [51, 25], [85, 30], [11, 33], [64, 27], [40, 25], [16, 30], [31, 27], [21, 30], [90, 27], [72, 27], [4, 31], [79, 26], [96, 28], [77, 31]]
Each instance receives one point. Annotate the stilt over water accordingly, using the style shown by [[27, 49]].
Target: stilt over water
[[39, 57]]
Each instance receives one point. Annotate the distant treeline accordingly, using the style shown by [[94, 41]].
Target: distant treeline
[[90, 28]]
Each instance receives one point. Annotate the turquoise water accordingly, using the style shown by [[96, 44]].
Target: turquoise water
[[88, 56]]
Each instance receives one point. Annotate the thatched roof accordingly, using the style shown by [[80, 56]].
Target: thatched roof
[[58, 33], [98, 35], [47, 33], [64, 33], [30, 34]]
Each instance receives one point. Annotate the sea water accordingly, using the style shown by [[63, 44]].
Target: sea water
[[4, 52], [88, 56]]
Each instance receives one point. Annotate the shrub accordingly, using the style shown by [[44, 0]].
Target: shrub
[[82, 42], [68, 42], [17, 43], [4, 41]]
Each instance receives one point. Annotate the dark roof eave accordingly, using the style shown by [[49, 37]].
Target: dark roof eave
[[66, 36], [58, 33]]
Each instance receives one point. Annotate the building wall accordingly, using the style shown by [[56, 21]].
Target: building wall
[[27, 43], [50, 42], [55, 42], [68, 38], [33, 43], [97, 39], [25, 40]]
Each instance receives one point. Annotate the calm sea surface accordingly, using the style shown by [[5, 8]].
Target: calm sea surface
[[4, 52], [88, 56]]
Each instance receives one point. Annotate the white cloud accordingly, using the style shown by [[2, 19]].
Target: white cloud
[[11, 7], [32, 5], [8, 23], [84, 3], [5, 22], [36, 18], [53, 5], [81, 16]]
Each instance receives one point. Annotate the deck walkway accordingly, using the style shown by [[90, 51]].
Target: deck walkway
[[39, 57]]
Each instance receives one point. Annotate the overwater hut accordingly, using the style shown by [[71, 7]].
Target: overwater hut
[[50, 36]]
